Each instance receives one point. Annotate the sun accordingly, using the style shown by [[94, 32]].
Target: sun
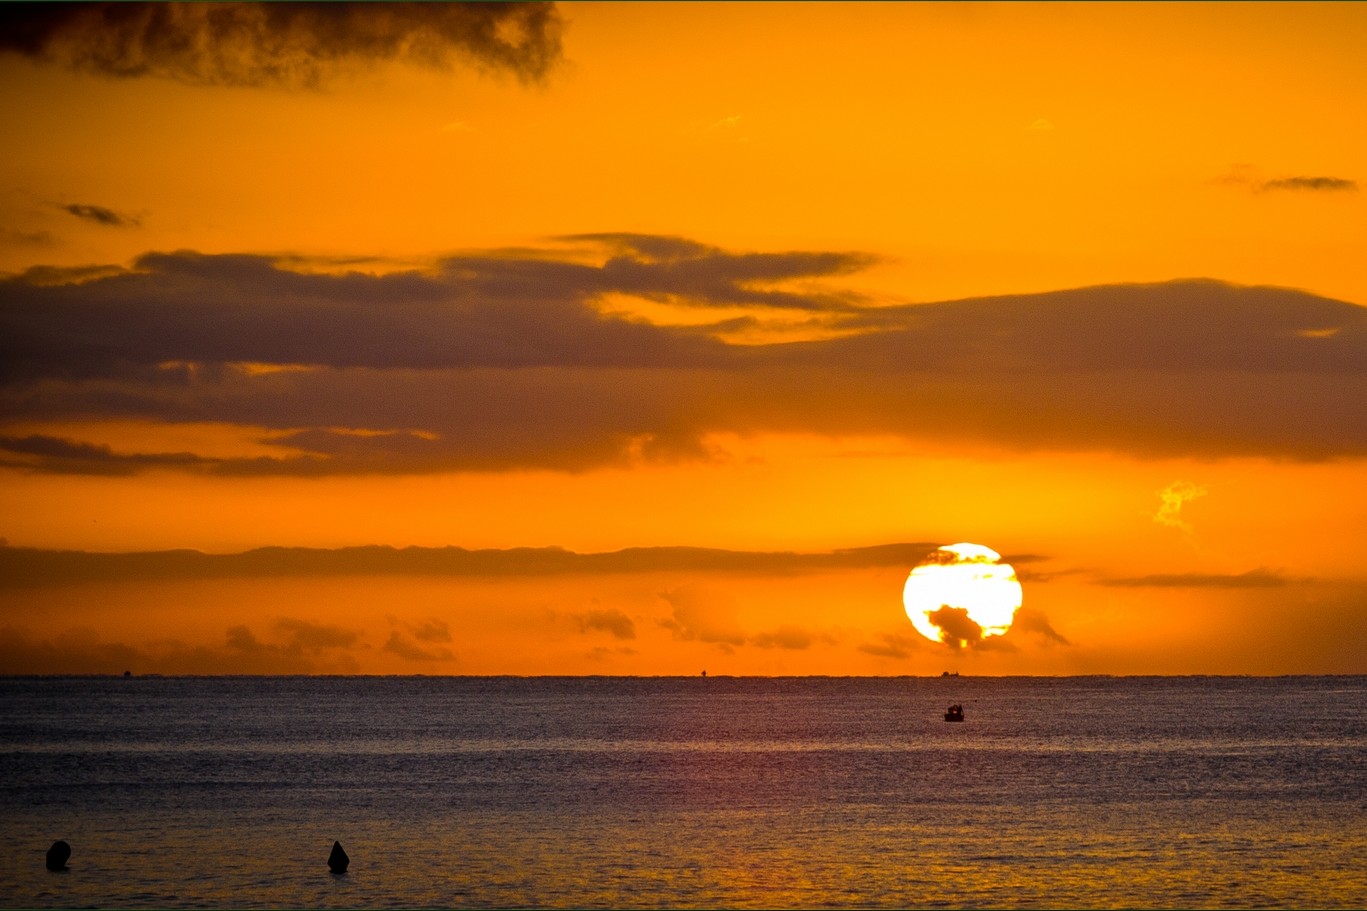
[[962, 594]]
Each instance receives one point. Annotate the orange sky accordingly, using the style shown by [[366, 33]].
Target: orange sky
[[755, 278]]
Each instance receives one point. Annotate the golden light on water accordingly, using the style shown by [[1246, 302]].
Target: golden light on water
[[961, 594]]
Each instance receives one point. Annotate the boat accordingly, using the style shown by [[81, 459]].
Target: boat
[[954, 713]]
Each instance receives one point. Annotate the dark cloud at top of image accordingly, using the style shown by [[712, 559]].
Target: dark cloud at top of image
[[101, 216], [280, 44], [1311, 184]]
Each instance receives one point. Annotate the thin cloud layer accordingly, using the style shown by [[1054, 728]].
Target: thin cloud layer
[[24, 567], [1311, 184], [501, 362], [280, 44], [1254, 578]]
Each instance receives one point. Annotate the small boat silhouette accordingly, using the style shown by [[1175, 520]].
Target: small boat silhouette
[[954, 713]]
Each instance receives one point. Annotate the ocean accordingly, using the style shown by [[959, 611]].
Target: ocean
[[585, 792]]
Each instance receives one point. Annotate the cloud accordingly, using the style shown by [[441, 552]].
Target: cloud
[[1254, 578], [401, 645], [892, 645], [1033, 621], [431, 630], [1247, 175], [102, 216], [280, 44], [60, 456], [693, 273], [703, 617], [1311, 184], [957, 629], [508, 361], [787, 637], [308, 649], [306, 635], [1173, 496], [609, 621], [27, 238], [25, 567]]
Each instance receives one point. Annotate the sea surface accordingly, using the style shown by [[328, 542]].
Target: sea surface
[[588, 792]]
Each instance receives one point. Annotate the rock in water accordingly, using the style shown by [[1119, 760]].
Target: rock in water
[[58, 855], [337, 860]]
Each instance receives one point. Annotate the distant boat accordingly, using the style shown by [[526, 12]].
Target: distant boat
[[949, 673], [954, 713]]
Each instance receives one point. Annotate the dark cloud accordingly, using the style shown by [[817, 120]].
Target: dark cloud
[[892, 645], [401, 645], [27, 238], [305, 635], [957, 629], [703, 617], [943, 556], [432, 630], [602, 652], [608, 621], [788, 637], [22, 566], [280, 44], [1033, 621], [102, 216], [60, 456], [1254, 578], [1311, 184], [507, 361], [190, 308], [42, 276], [693, 273], [308, 649]]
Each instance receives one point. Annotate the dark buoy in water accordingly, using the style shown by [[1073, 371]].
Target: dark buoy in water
[[127, 674], [337, 860], [58, 855]]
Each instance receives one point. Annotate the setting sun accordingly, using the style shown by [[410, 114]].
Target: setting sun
[[962, 594]]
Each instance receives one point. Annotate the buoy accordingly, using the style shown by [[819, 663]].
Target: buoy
[[58, 855], [337, 860]]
